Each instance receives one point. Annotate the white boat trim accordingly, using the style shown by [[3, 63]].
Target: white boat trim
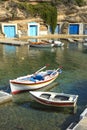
[[28, 83]]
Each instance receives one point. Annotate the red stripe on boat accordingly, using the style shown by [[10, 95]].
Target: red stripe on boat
[[57, 104], [14, 82]]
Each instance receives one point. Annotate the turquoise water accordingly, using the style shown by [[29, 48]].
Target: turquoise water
[[25, 114]]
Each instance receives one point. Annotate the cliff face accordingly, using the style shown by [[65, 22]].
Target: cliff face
[[9, 11], [72, 14]]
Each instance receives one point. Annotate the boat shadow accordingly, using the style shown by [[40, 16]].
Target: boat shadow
[[41, 107], [21, 98]]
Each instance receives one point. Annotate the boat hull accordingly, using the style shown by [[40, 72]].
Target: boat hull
[[55, 104], [58, 103], [41, 45], [18, 87]]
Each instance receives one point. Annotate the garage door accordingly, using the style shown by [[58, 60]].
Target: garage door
[[9, 31], [74, 29]]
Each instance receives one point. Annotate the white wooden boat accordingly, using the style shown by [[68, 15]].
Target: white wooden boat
[[56, 43], [54, 99], [34, 81]]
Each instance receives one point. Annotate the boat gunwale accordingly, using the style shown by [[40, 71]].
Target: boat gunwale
[[33, 83], [59, 94]]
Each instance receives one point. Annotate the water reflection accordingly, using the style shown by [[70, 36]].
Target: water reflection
[[9, 49], [73, 45], [84, 48], [64, 110], [23, 113]]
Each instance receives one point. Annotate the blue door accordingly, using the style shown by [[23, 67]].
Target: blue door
[[74, 29], [33, 30], [9, 31]]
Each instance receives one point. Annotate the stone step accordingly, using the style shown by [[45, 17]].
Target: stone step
[[5, 97]]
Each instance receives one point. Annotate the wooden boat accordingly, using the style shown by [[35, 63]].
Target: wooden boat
[[54, 99], [56, 43], [47, 44], [40, 45], [34, 81]]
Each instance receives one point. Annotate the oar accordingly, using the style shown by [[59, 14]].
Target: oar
[[41, 69], [59, 68]]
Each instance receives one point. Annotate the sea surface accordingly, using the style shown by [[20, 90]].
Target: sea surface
[[23, 113]]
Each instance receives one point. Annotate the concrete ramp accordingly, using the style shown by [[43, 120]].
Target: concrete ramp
[[5, 97]]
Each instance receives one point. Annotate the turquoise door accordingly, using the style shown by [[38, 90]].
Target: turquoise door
[[33, 30], [9, 31]]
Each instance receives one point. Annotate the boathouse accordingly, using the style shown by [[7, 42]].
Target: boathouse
[[33, 29], [75, 28], [9, 29], [18, 29], [37, 27]]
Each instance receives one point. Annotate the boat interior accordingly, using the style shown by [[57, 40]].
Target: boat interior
[[55, 98]]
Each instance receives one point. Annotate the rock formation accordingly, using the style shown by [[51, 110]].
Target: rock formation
[[9, 11]]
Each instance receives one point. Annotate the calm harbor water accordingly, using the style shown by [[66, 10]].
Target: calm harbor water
[[25, 114]]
